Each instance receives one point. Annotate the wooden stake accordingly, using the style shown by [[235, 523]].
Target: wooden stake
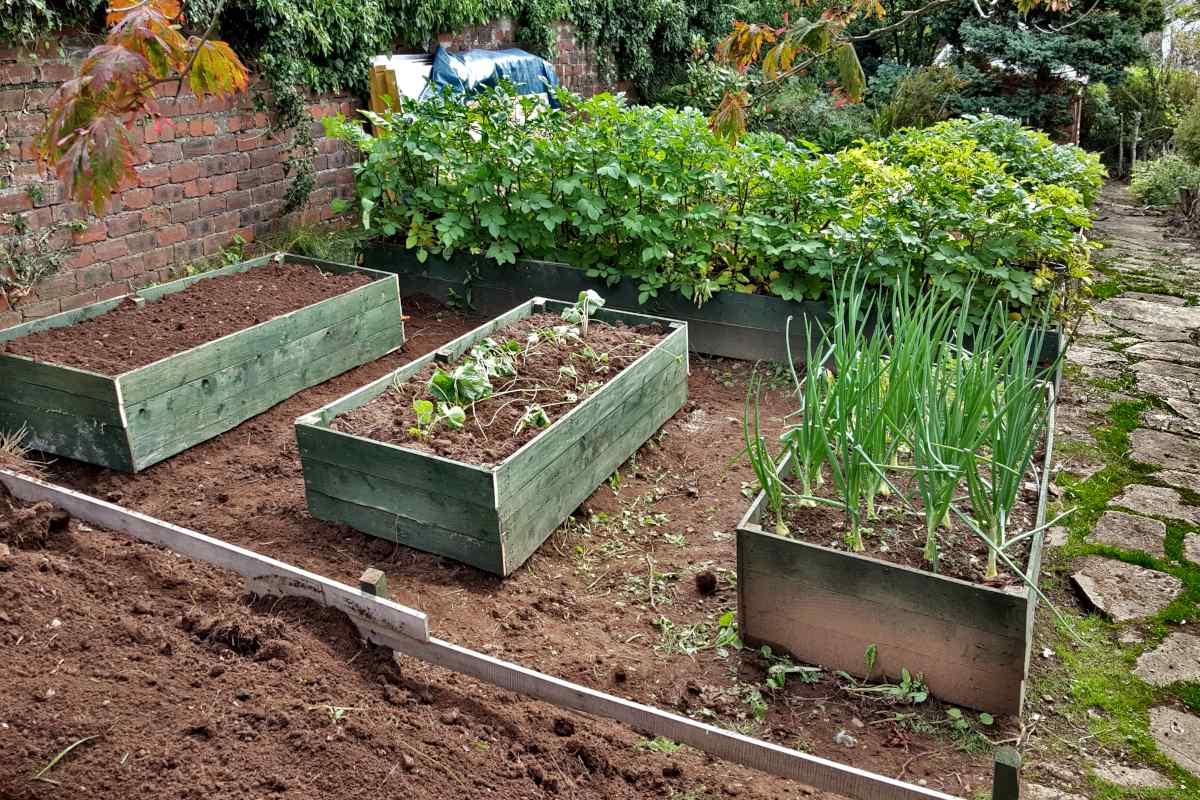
[[374, 582], [1006, 776]]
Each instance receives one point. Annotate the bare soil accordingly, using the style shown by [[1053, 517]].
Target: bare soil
[[171, 683], [492, 431], [133, 335], [654, 543], [898, 535]]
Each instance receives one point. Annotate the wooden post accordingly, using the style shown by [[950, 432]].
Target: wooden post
[[373, 582], [1133, 143], [1006, 776]]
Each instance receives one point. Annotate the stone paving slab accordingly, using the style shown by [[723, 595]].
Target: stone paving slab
[[1155, 311], [1152, 331], [1191, 548], [1178, 736], [1184, 480], [1129, 532], [1094, 357], [1035, 791], [1157, 501], [1167, 422], [1177, 352], [1124, 592], [1176, 659], [1165, 449], [1133, 777], [1164, 385]]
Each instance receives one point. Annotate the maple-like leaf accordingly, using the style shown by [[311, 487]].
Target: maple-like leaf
[[98, 162], [729, 118], [216, 70]]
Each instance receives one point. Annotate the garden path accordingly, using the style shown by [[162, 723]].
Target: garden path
[[1128, 452]]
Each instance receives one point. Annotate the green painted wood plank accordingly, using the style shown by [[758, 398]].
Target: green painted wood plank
[[61, 402], [60, 320], [666, 363], [241, 407], [53, 376], [69, 435], [199, 402], [564, 485], [387, 525], [198, 362], [430, 472], [889, 585], [416, 504], [338, 267]]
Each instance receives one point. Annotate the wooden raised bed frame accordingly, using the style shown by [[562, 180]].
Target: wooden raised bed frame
[[824, 606], [750, 327], [491, 518], [142, 416]]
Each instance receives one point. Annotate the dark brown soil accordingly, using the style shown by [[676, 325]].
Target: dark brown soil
[[492, 432], [175, 685], [581, 608], [130, 336], [898, 535]]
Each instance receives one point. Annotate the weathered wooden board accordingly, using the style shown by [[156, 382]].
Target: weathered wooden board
[[970, 642], [495, 518], [731, 324], [136, 419]]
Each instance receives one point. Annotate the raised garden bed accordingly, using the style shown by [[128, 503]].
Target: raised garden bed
[[825, 605], [128, 382], [751, 327], [493, 508]]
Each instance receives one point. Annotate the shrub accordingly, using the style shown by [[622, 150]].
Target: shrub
[[920, 98], [1187, 134], [1157, 182], [804, 111], [653, 195]]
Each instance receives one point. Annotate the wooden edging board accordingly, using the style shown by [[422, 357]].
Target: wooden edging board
[[491, 518], [970, 642], [751, 327], [142, 416], [405, 630]]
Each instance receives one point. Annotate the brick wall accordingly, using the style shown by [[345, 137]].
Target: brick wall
[[213, 174], [579, 67]]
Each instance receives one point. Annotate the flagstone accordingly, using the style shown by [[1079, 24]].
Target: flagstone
[[1124, 592]]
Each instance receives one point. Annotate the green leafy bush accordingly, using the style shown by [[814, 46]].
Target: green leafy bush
[[1157, 182], [919, 98], [805, 111], [1187, 134], [653, 195]]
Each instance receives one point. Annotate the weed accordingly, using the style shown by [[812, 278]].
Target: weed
[[14, 455], [61, 755], [659, 744]]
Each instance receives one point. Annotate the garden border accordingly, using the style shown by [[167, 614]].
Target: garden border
[[491, 518], [751, 327], [405, 631], [971, 642], [135, 419]]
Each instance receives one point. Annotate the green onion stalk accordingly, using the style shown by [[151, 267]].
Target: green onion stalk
[[765, 466]]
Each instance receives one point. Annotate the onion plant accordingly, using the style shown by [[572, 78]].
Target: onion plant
[[805, 441], [765, 465]]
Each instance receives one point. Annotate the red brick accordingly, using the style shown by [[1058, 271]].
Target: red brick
[[209, 126], [9, 318], [199, 228], [186, 252], [59, 285], [15, 201], [113, 248], [156, 216], [82, 258], [185, 210], [95, 232], [122, 224], [195, 127], [165, 153], [224, 144], [224, 183], [194, 148], [151, 176], [111, 291], [237, 200], [197, 188], [79, 300], [93, 276], [141, 242], [226, 222], [252, 142], [211, 205], [184, 171], [126, 268], [41, 218], [18, 73], [138, 198], [39, 310], [169, 193], [247, 234], [265, 156], [172, 234]]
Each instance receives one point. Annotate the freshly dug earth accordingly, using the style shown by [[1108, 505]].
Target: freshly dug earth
[[176, 685], [898, 536], [650, 552], [491, 432], [133, 336]]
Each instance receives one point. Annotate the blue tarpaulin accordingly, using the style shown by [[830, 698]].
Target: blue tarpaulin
[[467, 72]]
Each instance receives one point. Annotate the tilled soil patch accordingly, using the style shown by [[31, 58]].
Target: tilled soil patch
[[171, 683], [556, 372], [626, 597], [133, 335]]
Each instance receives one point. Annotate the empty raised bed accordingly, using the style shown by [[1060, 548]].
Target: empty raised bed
[[130, 381], [427, 458]]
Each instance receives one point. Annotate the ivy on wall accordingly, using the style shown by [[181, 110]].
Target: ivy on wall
[[326, 45]]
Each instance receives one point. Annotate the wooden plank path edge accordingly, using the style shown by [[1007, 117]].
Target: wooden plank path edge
[[406, 631]]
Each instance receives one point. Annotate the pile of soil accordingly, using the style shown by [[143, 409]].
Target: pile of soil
[[580, 608], [898, 535], [490, 433], [133, 336], [171, 683]]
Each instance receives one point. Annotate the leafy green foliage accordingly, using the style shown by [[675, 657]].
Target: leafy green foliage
[[25, 21], [1187, 134], [654, 196], [463, 385], [1157, 182], [920, 98]]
